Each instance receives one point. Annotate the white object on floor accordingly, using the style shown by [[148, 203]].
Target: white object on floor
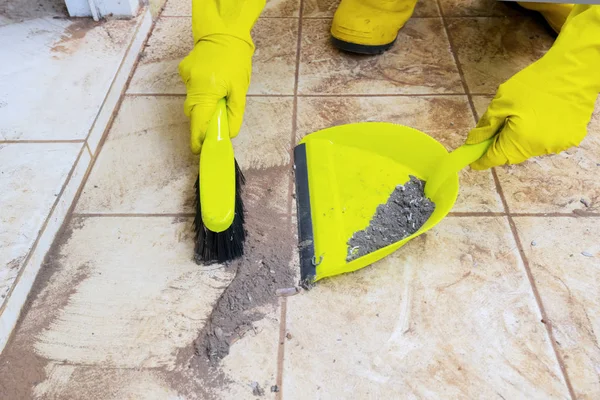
[[102, 8]]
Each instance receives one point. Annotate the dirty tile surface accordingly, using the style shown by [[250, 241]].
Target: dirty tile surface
[[453, 314], [479, 8], [491, 50], [566, 270], [450, 315], [273, 8], [57, 65], [326, 8], [32, 177], [273, 62], [420, 62], [562, 183]]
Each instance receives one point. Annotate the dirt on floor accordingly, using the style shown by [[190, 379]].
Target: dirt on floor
[[265, 267]]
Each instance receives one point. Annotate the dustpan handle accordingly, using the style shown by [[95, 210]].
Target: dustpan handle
[[454, 162], [217, 173]]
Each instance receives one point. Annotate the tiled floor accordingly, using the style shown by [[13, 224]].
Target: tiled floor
[[499, 300], [55, 99]]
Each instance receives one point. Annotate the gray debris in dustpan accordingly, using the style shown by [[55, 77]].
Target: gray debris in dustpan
[[406, 210]]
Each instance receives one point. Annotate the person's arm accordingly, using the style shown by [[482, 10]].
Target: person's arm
[[546, 107], [220, 64]]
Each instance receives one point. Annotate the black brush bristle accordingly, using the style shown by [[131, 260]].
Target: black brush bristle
[[220, 247]]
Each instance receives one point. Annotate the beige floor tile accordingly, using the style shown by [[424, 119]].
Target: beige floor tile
[[491, 50], [273, 8], [419, 63], [146, 167], [479, 8], [564, 257], [31, 179], [451, 315], [326, 8], [273, 63], [446, 118], [559, 183], [481, 104]]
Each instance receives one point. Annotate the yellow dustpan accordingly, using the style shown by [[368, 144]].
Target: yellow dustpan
[[343, 173]]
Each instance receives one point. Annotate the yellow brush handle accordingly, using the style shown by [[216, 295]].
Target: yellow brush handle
[[217, 173], [454, 162]]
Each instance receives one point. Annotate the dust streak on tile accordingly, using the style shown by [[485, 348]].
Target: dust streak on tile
[[66, 381], [468, 326], [138, 297]]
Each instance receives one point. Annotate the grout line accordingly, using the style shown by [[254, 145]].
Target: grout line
[[41, 141], [460, 214], [500, 191], [295, 112], [298, 17], [483, 94], [545, 320], [383, 95], [131, 215], [291, 182], [557, 215], [456, 61], [129, 94], [533, 285], [41, 232], [281, 348], [477, 214], [87, 146]]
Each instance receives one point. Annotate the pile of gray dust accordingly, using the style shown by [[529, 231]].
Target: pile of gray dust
[[406, 210]]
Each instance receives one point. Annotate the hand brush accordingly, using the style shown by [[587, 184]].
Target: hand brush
[[219, 220]]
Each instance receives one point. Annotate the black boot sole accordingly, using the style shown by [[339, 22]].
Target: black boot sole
[[361, 48]]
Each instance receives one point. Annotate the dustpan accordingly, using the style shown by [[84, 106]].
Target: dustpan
[[343, 173]]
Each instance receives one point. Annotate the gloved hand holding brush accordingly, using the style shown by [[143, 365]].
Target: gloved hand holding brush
[[220, 64], [546, 107]]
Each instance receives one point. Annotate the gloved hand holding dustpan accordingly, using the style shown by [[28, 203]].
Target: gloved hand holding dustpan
[[341, 178]]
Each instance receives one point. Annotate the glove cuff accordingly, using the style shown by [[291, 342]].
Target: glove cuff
[[574, 58]]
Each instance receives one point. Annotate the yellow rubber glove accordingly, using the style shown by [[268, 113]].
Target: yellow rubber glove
[[546, 107], [220, 64]]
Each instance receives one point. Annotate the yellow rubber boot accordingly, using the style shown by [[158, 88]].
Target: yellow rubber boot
[[369, 26], [556, 14]]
